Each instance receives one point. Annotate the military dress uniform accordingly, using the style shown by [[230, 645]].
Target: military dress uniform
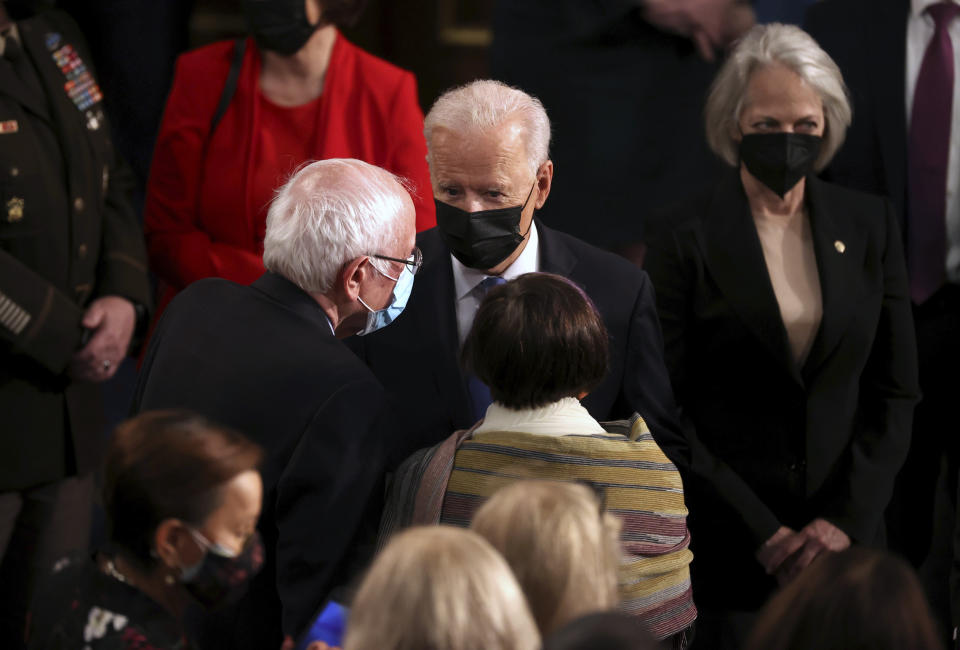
[[68, 235]]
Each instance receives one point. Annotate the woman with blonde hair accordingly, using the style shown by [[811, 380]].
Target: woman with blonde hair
[[440, 588], [562, 546]]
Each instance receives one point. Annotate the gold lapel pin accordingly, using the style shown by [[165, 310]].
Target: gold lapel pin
[[840, 246], [14, 210]]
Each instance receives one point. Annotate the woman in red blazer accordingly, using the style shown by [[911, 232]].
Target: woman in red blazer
[[303, 93]]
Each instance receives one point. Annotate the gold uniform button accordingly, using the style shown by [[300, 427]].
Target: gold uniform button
[[14, 171], [82, 251], [78, 204]]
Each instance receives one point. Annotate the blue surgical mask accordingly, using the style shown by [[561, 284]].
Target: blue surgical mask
[[380, 318]]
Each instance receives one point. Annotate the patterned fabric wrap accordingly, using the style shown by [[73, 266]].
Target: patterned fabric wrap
[[642, 487]]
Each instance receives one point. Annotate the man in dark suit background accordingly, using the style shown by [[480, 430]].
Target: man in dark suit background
[[624, 83], [899, 59], [266, 360], [73, 285], [490, 170]]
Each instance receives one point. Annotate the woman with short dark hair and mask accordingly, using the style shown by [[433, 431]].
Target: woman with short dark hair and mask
[[242, 116], [182, 498], [788, 335], [540, 345]]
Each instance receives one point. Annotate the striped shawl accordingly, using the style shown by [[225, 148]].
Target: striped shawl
[[447, 483]]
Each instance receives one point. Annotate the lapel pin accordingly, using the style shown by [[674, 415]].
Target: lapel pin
[[14, 210], [52, 40], [840, 246], [9, 126]]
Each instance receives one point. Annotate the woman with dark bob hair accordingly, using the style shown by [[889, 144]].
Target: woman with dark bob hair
[[858, 598], [540, 345], [182, 497]]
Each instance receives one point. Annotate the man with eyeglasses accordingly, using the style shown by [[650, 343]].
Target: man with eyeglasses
[[267, 360]]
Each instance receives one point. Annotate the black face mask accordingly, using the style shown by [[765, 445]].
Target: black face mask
[[280, 26], [219, 578], [780, 160], [481, 240]]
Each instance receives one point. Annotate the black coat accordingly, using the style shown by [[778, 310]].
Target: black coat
[[625, 101], [68, 235], [417, 357], [871, 55], [774, 443], [263, 360]]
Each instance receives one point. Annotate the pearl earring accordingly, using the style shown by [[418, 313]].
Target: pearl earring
[[169, 579]]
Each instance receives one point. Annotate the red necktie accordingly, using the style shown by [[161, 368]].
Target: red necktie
[[928, 157]]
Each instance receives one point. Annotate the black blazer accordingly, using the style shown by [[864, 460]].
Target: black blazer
[[417, 357], [263, 360], [872, 57], [774, 443]]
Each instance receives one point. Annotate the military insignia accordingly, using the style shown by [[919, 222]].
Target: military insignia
[[80, 86], [14, 210], [9, 126], [94, 119], [52, 40]]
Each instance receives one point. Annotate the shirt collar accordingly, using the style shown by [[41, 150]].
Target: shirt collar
[[11, 32], [465, 278], [917, 7]]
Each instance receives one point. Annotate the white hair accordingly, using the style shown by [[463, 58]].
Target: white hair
[[795, 49], [440, 588], [329, 213], [486, 104]]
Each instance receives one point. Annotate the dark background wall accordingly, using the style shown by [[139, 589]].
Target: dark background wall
[[444, 42]]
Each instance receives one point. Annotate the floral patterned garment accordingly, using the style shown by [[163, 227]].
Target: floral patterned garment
[[82, 608]]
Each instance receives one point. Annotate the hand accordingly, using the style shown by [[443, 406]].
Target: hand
[[781, 545], [287, 643], [112, 320], [819, 536], [710, 24]]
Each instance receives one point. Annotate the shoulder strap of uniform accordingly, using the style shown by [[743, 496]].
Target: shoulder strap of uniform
[[230, 87]]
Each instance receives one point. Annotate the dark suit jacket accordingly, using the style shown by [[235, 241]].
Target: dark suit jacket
[[872, 59], [263, 360], [625, 102], [417, 357], [774, 443], [68, 235]]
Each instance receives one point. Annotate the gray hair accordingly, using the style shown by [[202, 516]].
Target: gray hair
[[791, 47], [486, 104], [329, 213]]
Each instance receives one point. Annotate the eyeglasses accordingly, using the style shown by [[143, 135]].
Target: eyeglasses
[[415, 261]]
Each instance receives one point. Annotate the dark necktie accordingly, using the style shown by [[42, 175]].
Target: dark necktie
[[927, 159], [479, 392]]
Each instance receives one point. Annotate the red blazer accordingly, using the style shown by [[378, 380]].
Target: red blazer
[[198, 218]]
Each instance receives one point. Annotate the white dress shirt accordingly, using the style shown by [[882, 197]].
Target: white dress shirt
[[920, 29], [465, 281]]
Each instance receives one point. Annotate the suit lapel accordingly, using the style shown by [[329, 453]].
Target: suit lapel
[[555, 256], [435, 303], [735, 259], [74, 142], [887, 79], [13, 86], [839, 252]]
